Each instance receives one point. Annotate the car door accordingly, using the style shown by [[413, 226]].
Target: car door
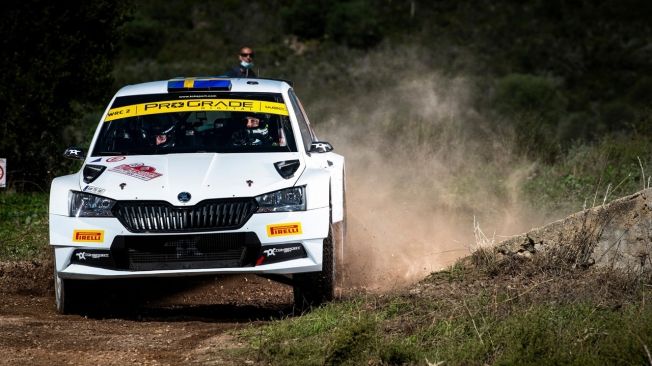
[[320, 154]]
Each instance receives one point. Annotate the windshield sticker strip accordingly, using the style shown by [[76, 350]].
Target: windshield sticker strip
[[193, 105]]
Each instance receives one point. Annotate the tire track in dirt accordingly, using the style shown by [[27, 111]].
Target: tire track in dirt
[[151, 322]]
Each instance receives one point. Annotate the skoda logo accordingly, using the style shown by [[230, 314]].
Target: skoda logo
[[184, 197]]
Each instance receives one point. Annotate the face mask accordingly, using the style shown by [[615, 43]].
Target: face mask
[[246, 65]]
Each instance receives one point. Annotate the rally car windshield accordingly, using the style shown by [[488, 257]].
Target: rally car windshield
[[192, 123]]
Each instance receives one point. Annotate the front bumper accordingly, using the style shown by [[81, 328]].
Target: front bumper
[[104, 238]]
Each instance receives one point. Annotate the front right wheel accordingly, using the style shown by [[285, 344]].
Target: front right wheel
[[65, 294]]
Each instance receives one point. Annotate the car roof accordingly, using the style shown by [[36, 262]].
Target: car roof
[[237, 85]]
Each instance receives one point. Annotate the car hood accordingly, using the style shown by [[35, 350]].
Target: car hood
[[203, 175]]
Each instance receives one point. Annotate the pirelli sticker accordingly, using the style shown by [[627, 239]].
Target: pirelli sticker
[[88, 236], [195, 105], [293, 228]]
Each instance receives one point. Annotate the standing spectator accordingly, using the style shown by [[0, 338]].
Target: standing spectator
[[246, 67]]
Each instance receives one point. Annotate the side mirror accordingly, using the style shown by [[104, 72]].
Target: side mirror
[[76, 153], [320, 147]]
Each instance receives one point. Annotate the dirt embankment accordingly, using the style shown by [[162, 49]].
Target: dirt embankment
[[614, 235], [154, 322]]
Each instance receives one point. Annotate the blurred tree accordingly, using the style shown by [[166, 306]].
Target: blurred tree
[[523, 93], [55, 56], [355, 23], [597, 48], [305, 19]]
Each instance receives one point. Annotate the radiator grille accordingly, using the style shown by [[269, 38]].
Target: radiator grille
[[162, 217], [168, 252]]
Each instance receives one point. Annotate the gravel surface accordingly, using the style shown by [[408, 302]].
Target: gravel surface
[[151, 322]]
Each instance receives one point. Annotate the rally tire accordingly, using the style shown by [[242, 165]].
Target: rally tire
[[339, 236], [315, 288], [66, 295]]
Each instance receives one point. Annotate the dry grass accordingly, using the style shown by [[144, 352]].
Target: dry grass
[[547, 307]]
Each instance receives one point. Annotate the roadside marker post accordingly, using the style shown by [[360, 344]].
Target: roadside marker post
[[3, 172]]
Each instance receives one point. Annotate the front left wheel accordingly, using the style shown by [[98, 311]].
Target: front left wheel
[[315, 288]]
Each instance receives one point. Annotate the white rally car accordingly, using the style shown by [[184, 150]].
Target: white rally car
[[199, 176]]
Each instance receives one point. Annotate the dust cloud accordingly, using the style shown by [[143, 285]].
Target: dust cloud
[[428, 178]]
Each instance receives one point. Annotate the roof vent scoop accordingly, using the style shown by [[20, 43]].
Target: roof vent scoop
[[91, 172], [287, 168]]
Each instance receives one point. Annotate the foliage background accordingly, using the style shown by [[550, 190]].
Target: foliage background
[[57, 60], [496, 101], [559, 75]]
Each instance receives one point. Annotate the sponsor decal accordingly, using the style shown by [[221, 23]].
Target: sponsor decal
[[136, 170], [280, 253], [272, 251], [82, 256], [293, 228], [75, 152], [93, 189], [114, 159], [86, 236], [194, 105]]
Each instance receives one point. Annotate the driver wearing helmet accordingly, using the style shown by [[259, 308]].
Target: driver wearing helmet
[[254, 133], [161, 132]]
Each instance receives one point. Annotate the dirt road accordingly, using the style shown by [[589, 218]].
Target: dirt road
[[154, 322]]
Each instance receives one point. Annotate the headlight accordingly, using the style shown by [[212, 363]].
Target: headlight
[[89, 205], [290, 199]]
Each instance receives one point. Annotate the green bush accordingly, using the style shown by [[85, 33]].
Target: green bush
[[53, 55], [530, 94], [144, 38], [575, 126], [588, 174], [305, 19], [23, 225], [354, 23], [617, 116]]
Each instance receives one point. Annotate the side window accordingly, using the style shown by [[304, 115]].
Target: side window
[[307, 136]]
